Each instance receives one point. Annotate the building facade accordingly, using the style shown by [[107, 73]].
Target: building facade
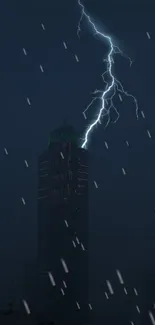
[[63, 229]]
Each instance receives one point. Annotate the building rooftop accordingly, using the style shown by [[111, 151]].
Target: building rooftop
[[66, 133]]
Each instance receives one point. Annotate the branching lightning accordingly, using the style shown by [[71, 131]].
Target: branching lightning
[[111, 88]]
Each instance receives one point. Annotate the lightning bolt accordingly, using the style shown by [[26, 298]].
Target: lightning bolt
[[111, 88]]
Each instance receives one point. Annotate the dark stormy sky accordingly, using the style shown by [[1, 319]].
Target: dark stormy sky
[[122, 209]]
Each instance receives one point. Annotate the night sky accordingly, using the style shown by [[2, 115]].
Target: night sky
[[122, 208]]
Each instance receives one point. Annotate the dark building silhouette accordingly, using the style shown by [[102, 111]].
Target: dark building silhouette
[[63, 230], [17, 316]]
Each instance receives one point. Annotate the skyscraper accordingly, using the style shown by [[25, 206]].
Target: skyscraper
[[63, 228]]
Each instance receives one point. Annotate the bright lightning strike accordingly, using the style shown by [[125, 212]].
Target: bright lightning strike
[[112, 87]]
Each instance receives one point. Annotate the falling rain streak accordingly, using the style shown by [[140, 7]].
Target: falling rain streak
[[77, 239], [26, 163], [82, 247], [76, 57], [66, 223], [151, 317], [135, 291], [110, 287], [90, 306], [149, 134], [127, 143], [62, 156], [24, 51], [138, 309], [62, 291], [120, 277], [6, 152], [23, 200], [65, 46], [106, 295], [143, 115], [148, 35], [106, 144], [124, 172], [26, 307], [74, 243], [41, 68], [120, 97], [95, 184], [43, 27], [52, 279], [28, 100], [77, 304], [125, 291], [64, 265], [64, 283]]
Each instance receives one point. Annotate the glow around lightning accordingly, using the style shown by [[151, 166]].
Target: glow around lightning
[[111, 88]]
